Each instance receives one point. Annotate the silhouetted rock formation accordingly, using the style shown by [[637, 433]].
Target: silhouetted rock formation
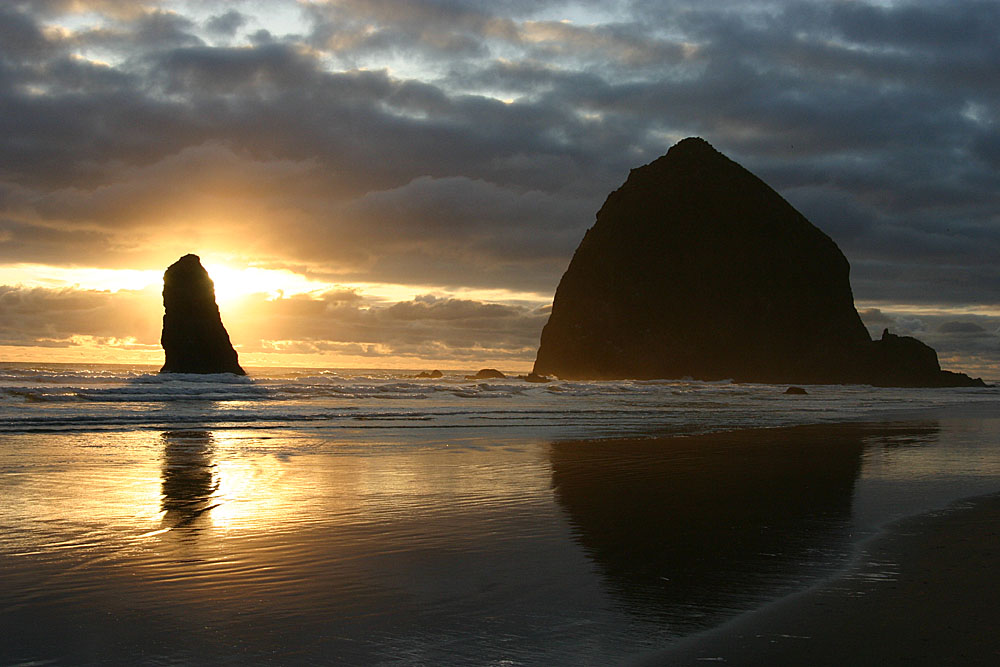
[[796, 391], [193, 337], [433, 375], [903, 361], [696, 268], [487, 374]]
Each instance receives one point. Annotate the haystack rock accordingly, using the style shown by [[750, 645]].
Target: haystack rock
[[697, 268], [193, 337]]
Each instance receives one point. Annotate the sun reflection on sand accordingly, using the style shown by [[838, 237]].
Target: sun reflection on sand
[[251, 493]]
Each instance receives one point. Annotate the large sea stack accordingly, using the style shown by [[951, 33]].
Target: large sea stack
[[193, 337], [697, 268]]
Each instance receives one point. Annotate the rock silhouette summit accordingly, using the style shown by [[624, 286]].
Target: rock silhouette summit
[[193, 338], [697, 268]]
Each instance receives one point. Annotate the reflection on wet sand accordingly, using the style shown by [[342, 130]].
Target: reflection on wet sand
[[190, 479], [713, 522]]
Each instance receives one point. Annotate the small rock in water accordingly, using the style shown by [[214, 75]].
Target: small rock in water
[[486, 374], [432, 374], [796, 391]]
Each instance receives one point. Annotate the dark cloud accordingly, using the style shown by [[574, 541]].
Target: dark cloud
[[937, 27], [966, 328], [213, 71], [39, 244], [432, 308], [470, 143], [226, 24], [471, 225], [146, 31], [20, 36]]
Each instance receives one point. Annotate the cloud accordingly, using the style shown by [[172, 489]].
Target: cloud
[[875, 319], [227, 23], [424, 327], [39, 244], [963, 328], [338, 321], [471, 143], [20, 37], [60, 317], [456, 226], [113, 8]]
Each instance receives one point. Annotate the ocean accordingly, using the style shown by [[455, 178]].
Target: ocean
[[311, 516]]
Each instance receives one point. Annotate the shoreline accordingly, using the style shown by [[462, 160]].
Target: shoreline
[[921, 591]]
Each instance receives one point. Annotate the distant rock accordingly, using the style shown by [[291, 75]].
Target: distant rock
[[796, 391], [695, 267], [533, 377], [903, 361], [193, 338], [486, 374], [432, 375]]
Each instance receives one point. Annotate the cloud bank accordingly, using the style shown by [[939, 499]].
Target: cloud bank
[[469, 144]]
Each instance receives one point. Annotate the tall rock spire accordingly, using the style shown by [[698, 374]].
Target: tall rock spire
[[193, 338]]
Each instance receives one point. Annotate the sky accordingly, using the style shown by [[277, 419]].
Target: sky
[[402, 183]]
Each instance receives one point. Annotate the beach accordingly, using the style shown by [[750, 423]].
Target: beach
[[371, 519], [923, 593]]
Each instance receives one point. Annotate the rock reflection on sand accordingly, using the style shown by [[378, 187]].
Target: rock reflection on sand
[[190, 480], [692, 529]]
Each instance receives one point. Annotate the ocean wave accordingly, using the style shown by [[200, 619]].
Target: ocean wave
[[193, 378], [15, 375], [66, 398], [347, 418]]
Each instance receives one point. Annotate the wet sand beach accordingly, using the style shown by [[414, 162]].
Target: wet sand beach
[[925, 592], [473, 546]]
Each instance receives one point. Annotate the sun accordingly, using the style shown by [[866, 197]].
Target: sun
[[233, 285]]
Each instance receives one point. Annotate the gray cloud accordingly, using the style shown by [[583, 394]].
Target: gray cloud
[[956, 327], [423, 327], [227, 23], [373, 145], [39, 244]]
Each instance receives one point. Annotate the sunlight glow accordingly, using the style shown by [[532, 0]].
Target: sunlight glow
[[231, 284], [234, 284], [56, 277]]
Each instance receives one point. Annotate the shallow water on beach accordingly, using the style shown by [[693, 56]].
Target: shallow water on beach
[[555, 533]]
